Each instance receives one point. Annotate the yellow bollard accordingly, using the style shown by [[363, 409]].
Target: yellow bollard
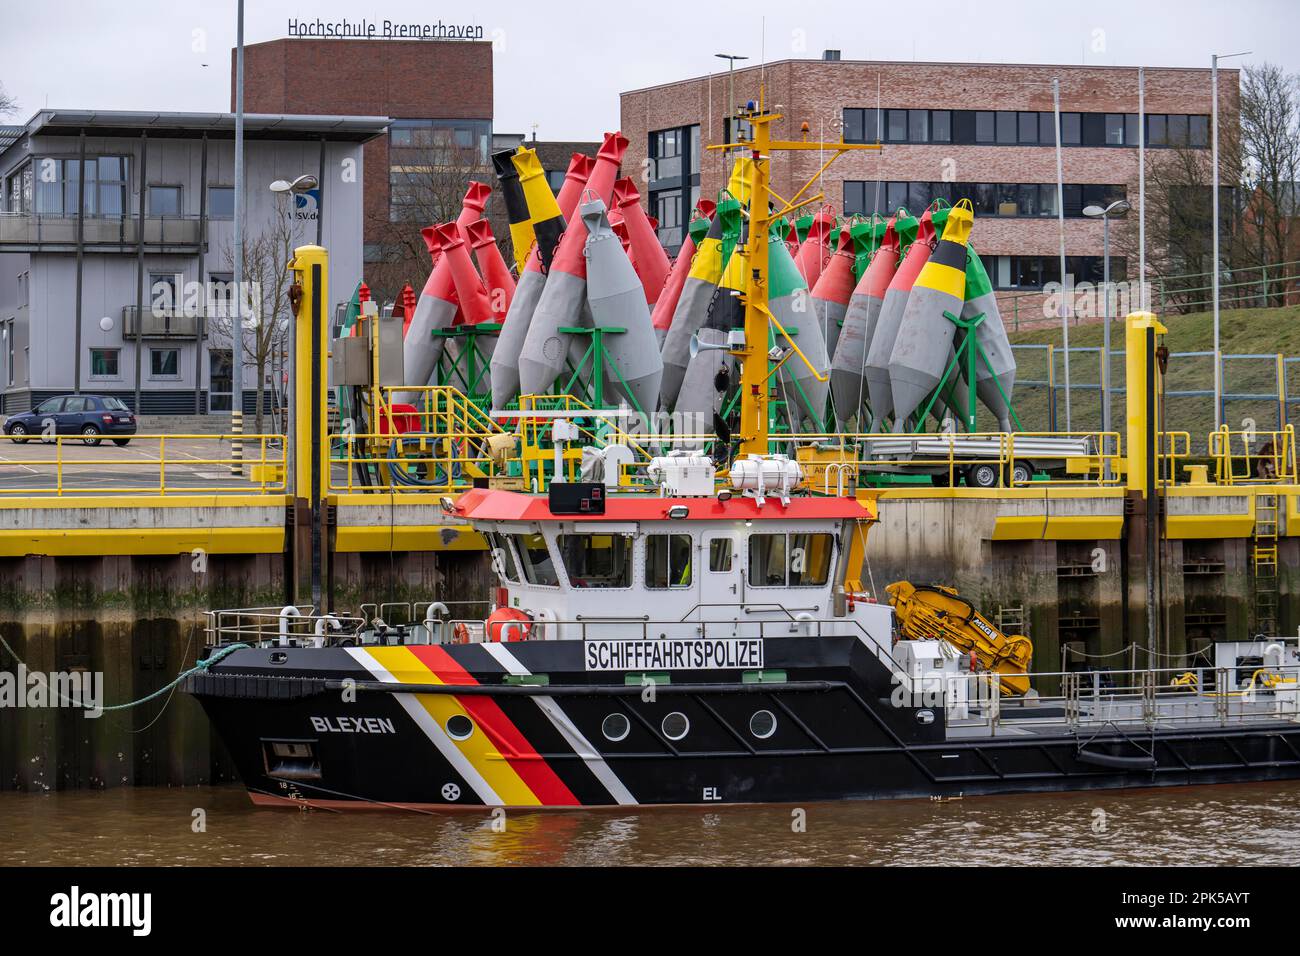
[[1142, 382]]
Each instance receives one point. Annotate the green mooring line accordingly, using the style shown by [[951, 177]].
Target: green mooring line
[[199, 667]]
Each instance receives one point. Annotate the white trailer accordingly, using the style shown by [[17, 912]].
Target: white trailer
[[980, 459]]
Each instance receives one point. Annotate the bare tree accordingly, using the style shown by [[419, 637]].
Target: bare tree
[[1270, 145], [427, 185], [8, 105], [265, 297], [1259, 163]]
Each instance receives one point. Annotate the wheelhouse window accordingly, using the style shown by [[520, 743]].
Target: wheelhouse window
[[535, 557], [597, 560], [668, 561], [720, 551], [790, 560], [503, 560]]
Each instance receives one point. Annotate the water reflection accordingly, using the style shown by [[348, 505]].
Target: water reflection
[[1255, 823]]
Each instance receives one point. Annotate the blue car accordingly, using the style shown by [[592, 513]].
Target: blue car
[[93, 417]]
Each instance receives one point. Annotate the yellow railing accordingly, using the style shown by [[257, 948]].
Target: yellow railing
[[1011, 459], [408, 463], [1253, 457], [182, 464]]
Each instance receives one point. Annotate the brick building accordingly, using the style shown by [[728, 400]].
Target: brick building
[[955, 130], [439, 96]]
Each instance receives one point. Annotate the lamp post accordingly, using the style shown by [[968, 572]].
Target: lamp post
[[1117, 208], [1214, 226], [283, 189], [237, 327], [731, 59]]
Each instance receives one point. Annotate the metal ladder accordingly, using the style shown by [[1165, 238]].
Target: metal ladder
[[1264, 562], [1011, 620]]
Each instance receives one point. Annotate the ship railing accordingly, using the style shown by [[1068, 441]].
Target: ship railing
[[1140, 698], [172, 464], [393, 622], [289, 625]]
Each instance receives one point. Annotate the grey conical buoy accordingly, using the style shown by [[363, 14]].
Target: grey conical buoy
[[617, 299], [924, 343]]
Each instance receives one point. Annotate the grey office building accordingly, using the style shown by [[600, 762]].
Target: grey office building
[[157, 205]]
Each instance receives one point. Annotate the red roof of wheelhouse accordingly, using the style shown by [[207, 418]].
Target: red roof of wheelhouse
[[491, 504]]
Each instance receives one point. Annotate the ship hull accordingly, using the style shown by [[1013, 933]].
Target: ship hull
[[377, 728]]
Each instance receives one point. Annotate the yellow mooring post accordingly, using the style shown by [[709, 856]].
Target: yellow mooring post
[[1141, 381], [310, 420], [1142, 384]]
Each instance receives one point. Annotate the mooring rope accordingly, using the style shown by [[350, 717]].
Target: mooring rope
[[199, 666]]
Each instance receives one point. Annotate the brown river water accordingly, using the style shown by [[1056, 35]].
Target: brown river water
[[1222, 825]]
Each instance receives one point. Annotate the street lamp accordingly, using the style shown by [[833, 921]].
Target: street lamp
[[304, 183], [731, 59], [1117, 208], [1214, 169]]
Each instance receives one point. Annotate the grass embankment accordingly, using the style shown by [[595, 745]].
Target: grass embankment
[[1242, 332]]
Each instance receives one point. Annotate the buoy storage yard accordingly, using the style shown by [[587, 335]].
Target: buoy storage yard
[[771, 457]]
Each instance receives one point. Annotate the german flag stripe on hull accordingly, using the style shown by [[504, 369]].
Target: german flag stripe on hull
[[525, 752]]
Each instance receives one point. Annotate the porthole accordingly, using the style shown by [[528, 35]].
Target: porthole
[[763, 724], [675, 726], [459, 727], [615, 727]]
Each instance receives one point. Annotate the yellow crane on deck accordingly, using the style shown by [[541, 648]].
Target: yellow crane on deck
[[937, 613]]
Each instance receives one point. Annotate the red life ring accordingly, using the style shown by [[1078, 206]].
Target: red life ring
[[496, 624]]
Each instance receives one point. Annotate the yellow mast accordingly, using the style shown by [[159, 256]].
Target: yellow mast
[[754, 373]]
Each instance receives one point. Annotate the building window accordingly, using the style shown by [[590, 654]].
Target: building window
[[1022, 200], [164, 200], [668, 561], [666, 152], [418, 150], [941, 126], [221, 202], [1027, 128], [164, 292], [896, 126], [56, 194], [9, 351], [1114, 129], [104, 363], [164, 363], [1007, 127], [18, 191], [1020, 127], [918, 126], [1026, 273]]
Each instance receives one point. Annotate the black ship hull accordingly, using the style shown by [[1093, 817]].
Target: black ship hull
[[528, 725]]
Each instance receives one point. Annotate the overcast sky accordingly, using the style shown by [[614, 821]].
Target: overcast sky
[[561, 65]]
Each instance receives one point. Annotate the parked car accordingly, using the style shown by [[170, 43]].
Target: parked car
[[90, 416]]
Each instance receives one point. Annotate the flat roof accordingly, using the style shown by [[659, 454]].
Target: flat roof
[[257, 126], [1064, 67]]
